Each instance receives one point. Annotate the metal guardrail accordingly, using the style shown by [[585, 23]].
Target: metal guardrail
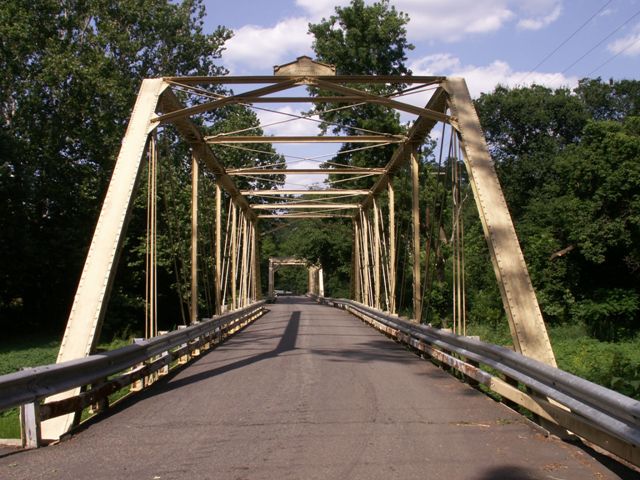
[[31, 385], [595, 413]]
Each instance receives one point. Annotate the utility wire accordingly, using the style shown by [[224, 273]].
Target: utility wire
[[603, 40], [564, 42], [632, 44]]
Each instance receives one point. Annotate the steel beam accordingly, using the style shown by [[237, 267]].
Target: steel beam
[[89, 305], [218, 280], [415, 222], [306, 171], [518, 296], [305, 215], [192, 135], [416, 136], [339, 79], [194, 240], [224, 139], [392, 249], [395, 104], [285, 206], [328, 192], [221, 102]]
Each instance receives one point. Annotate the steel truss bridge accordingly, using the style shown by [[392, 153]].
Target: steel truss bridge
[[306, 387]]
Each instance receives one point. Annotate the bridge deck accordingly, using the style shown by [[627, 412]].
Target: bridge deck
[[308, 392]]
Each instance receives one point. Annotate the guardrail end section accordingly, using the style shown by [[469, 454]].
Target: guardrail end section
[[30, 427]]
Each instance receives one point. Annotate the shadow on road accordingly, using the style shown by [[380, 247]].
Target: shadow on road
[[287, 343]]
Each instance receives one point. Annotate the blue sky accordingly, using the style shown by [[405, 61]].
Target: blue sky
[[488, 42]]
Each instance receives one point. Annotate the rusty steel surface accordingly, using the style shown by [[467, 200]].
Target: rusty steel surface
[[309, 392]]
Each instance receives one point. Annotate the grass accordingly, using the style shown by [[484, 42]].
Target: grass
[[612, 365], [32, 352]]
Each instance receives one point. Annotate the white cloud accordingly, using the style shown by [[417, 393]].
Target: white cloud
[[254, 48], [483, 79], [536, 23], [455, 20], [284, 124], [629, 45]]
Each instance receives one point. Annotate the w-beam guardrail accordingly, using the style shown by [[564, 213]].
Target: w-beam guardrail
[[105, 373], [597, 414]]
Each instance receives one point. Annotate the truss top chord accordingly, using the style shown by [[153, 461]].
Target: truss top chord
[[305, 171], [305, 139]]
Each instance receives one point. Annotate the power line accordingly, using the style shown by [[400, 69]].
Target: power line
[[564, 42], [603, 40], [632, 44]]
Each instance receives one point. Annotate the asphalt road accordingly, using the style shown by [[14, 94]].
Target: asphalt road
[[309, 392]]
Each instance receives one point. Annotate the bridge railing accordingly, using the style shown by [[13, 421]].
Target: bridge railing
[[105, 373], [597, 414]]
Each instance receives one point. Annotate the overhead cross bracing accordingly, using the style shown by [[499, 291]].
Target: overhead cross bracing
[[187, 103]]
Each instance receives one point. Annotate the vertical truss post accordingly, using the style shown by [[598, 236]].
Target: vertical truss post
[[415, 221], [355, 265], [234, 255], [376, 255], [364, 229], [218, 279], [255, 264], [272, 280], [89, 305], [392, 249], [320, 282], [194, 240], [518, 296], [244, 276]]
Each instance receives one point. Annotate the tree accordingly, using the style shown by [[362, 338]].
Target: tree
[[525, 128], [363, 40], [614, 100], [572, 185], [71, 71]]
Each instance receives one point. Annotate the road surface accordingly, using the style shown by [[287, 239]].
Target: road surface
[[309, 392]]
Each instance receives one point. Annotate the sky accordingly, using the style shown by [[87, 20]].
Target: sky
[[489, 42]]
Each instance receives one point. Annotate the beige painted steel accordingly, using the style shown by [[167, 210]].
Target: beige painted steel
[[87, 313], [392, 249], [276, 262], [293, 206], [306, 171], [193, 137], [218, 278], [416, 136], [328, 192], [298, 216], [234, 256], [194, 240], [415, 222], [305, 139], [255, 261], [371, 98], [221, 102], [521, 305], [304, 65], [376, 256], [338, 79]]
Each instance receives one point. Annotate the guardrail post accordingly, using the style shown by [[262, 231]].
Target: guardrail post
[[30, 431], [102, 404], [138, 384], [184, 358]]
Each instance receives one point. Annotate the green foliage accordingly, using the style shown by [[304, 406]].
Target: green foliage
[[573, 186], [362, 40], [612, 365], [610, 101], [71, 71]]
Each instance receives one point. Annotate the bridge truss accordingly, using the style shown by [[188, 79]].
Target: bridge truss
[[177, 101]]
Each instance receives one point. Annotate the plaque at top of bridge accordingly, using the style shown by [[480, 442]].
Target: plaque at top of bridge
[[304, 66]]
